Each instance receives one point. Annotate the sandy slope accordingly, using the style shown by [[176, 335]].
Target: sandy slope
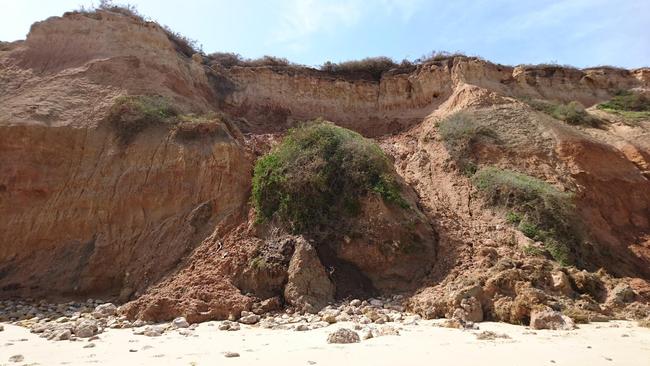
[[613, 343]]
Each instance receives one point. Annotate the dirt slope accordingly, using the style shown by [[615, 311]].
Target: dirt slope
[[165, 222]]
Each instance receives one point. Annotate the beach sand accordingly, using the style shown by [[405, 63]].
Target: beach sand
[[611, 343]]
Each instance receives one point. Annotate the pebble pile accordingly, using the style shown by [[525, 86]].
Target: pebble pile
[[76, 321]]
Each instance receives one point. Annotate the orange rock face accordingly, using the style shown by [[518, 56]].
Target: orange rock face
[[165, 223]]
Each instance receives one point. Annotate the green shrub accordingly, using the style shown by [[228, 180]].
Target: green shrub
[[629, 105], [459, 133], [132, 114], [627, 101], [372, 67], [572, 113], [193, 127], [539, 210], [318, 173]]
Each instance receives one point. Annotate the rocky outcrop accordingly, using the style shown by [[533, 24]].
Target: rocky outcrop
[[309, 287]]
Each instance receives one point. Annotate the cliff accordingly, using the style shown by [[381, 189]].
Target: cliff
[[165, 222]]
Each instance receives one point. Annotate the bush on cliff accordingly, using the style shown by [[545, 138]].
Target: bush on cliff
[[317, 175], [539, 210], [629, 105], [132, 114], [572, 113]]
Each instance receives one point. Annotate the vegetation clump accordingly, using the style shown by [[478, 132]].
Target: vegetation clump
[[539, 210], [460, 133], [373, 67], [132, 114], [572, 113], [629, 105], [318, 174], [192, 127]]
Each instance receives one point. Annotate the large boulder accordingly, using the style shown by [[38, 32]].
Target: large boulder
[[309, 287]]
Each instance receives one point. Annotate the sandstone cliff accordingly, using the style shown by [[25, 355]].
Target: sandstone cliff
[[165, 222]]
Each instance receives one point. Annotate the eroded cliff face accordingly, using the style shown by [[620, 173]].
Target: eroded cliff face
[[84, 214], [165, 222]]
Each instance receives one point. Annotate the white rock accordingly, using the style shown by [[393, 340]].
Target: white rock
[[180, 322], [249, 319]]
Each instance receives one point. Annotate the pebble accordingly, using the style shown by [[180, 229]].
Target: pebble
[[180, 322], [89, 345], [16, 358], [231, 354]]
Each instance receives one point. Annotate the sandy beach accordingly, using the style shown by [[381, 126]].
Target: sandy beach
[[611, 343]]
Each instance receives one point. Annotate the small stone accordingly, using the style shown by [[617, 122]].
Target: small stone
[[2, 327], [489, 335], [249, 318], [366, 334], [180, 322], [343, 336], [153, 331], [85, 328], [377, 303], [90, 345], [355, 303], [104, 310], [302, 327], [16, 358], [62, 335], [229, 354], [386, 331]]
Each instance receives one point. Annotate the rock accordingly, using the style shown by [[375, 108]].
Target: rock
[[2, 327], [104, 310], [562, 283], [366, 334], [489, 335], [309, 287], [386, 330], [330, 315], [268, 305], [89, 345], [470, 310], [355, 303], [228, 325], [229, 354], [377, 303], [85, 328], [180, 322], [17, 358], [249, 319], [153, 331], [343, 336], [302, 327], [620, 295], [61, 335], [550, 319]]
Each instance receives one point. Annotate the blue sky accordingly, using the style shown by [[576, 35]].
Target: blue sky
[[577, 32]]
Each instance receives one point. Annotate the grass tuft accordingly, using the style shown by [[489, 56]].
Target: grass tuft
[[460, 133], [628, 105], [539, 210], [572, 113], [132, 114]]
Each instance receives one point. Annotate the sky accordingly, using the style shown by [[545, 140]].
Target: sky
[[576, 32]]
